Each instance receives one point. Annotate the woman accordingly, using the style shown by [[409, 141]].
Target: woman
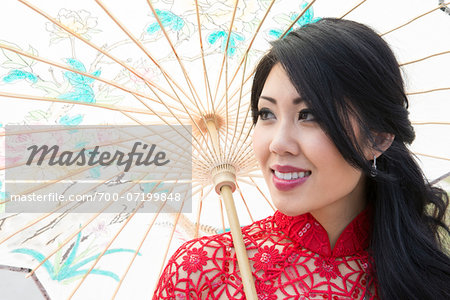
[[356, 218]]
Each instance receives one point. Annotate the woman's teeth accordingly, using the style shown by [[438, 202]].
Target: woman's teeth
[[292, 176]]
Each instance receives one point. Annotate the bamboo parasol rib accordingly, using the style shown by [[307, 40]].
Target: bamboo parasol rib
[[352, 9], [414, 19], [185, 73], [208, 93], [249, 47]]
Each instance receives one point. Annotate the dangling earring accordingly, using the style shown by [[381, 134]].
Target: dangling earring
[[373, 170]]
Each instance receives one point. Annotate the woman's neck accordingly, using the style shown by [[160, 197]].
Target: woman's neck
[[335, 217]]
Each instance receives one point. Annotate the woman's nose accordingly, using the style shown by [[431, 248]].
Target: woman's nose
[[285, 140]]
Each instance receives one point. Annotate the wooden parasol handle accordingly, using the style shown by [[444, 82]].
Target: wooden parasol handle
[[239, 246]]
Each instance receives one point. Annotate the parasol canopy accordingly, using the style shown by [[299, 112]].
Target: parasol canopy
[[170, 63]]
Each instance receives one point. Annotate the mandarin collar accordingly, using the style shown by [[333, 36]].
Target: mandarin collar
[[307, 232]]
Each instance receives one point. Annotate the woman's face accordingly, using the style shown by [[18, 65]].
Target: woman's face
[[302, 167]]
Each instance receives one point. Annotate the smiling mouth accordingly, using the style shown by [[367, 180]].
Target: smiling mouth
[[291, 175]]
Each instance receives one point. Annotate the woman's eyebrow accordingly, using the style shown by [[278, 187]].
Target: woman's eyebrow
[[270, 99], [297, 100]]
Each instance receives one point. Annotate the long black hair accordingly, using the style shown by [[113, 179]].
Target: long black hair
[[342, 68]]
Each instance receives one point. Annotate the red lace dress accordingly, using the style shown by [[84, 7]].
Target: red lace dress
[[291, 258]]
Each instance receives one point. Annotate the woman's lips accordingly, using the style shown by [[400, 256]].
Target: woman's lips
[[286, 177]]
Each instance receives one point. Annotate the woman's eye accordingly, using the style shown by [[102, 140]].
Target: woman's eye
[[305, 115], [265, 114]]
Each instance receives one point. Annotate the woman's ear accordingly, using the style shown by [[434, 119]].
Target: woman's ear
[[381, 142]]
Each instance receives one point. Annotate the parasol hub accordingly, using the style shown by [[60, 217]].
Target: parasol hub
[[209, 121], [224, 175]]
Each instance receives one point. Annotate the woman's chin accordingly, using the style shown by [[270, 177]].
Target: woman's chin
[[289, 208]]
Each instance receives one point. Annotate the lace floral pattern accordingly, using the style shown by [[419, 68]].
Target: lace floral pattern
[[194, 260], [266, 258], [291, 258], [327, 267]]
